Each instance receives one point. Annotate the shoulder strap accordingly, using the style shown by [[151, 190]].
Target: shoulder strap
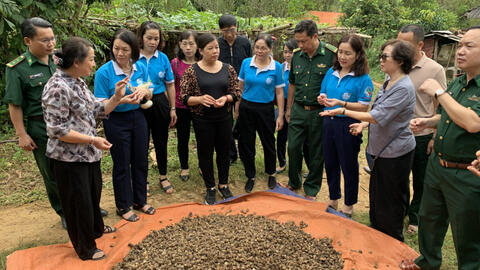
[[331, 47], [16, 61]]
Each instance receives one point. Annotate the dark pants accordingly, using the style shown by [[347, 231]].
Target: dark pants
[[282, 141], [184, 119], [213, 135], [389, 194], [450, 197], [305, 127], [158, 119], [128, 133], [37, 131], [419, 167], [256, 117], [233, 145], [80, 188], [340, 150]]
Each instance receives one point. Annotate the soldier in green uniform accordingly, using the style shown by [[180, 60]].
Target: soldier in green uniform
[[309, 64], [451, 193], [25, 79]]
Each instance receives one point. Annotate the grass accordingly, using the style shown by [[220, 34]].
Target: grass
[[20, 183]]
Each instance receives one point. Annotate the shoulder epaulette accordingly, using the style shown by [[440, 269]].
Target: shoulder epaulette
[[16, 61], [296, 50], [331, 47]]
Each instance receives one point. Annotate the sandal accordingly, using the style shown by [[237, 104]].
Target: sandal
[[108, 229], [149, 211], [409, 265], [131, 218], [98, 252], [281, 169], [148, 189], [168, 189], [412, 229], [184, 177], [349, 215]]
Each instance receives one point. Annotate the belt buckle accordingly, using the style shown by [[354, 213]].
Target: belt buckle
[[306, 107]]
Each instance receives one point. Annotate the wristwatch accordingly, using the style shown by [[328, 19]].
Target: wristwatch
[[439, 92]]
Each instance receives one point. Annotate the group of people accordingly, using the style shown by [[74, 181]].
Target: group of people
[[322, 93]]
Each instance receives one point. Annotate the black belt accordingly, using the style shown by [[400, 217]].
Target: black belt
[[36, 117]]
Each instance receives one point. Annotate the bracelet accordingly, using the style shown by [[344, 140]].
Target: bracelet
[[344, 109], [93, 140], [172, 108], [345, 104]]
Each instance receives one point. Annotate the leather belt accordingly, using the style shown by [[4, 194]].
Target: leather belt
[[453, 165], [311, 107], [36, 117]]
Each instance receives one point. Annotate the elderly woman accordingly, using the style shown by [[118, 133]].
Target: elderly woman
[[73, 146], [126, 128], [209, 87], [390, 142], [346, 84]]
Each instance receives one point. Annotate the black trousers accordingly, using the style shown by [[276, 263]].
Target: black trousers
[[158, 119], [128, 133], [256, 117], [282, 136], [184, 120], [213, 135], [389, 194], [80, 187]]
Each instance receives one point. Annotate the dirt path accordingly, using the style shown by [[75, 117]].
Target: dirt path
[[37, 223]]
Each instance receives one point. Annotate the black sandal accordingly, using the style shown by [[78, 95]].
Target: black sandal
[[167, 188], [108, 229], [149, 211], [132, 218]]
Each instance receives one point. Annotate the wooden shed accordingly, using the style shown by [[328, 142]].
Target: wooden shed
[[442, 46]]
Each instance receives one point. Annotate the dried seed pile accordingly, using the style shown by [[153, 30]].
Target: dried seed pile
[[222, 241]]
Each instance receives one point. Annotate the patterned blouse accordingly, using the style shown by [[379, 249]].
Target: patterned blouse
[[67, 105], [189, 87]]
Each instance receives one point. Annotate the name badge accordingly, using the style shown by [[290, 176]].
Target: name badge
[[35, 76], [321, 65]]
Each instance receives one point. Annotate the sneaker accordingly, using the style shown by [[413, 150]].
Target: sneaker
[[225, 192], [210, 197], [272, 182], [249, 185]]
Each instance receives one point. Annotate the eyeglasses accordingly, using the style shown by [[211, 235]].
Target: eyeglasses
[[261, 49], [47, 40], [384, 56], [231, 30]]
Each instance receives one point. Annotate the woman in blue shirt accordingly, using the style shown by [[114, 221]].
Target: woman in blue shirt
[[126, 128], [162, 114], [260, 78], [346, 84]]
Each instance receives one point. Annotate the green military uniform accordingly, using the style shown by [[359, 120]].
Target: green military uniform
[[305, 122], [25, 77], [452, 194]]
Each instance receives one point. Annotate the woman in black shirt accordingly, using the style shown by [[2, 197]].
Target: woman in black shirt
[[208, 88]]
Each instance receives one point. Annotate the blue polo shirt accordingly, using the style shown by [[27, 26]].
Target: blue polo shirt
[[110, 73], [159, 71], [286, 73], [260, 84], [350, 88]]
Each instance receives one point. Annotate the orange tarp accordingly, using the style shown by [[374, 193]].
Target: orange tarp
[[361, 246]]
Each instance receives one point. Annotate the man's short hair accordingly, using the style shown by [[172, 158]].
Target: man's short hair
[[417, 30], [307, 26], [29, 26], [473, 27], [227, 20]]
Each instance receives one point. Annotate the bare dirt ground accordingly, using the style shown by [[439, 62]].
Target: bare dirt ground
[[37, 223]]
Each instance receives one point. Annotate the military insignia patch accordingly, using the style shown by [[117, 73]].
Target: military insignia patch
[[16, 61], [321, 65], [34, 76]]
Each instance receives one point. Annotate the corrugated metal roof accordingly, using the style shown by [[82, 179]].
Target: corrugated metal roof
[[443, 33], [473, 13]]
